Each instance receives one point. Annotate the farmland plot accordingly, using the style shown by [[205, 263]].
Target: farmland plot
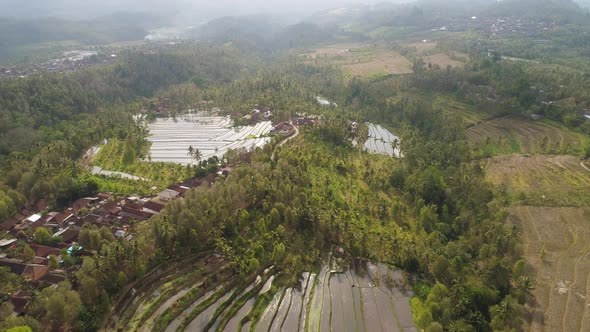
[[363, 60], [542, 180], [381, 141], [516, 135], [369, 298], [557, 250], [211, 135]]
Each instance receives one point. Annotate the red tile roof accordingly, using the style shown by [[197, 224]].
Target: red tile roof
[[154, 206], [45, 251], [35, 272], [8, 224]]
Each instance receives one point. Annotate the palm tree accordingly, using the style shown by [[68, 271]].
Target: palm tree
[[191, 151], [197, 155]]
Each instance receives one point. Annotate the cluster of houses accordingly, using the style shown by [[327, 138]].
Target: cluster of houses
[[255, 116], [305, 120], [498, 26], [116, 213], [69, 63]]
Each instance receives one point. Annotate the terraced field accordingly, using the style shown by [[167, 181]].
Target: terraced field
[[516, 135], [382, 141], [366, 298], [542, 180], [211, 135], [452, 107], [557, 250]]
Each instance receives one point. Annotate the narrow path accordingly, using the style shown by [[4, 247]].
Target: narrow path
[[273, 157]]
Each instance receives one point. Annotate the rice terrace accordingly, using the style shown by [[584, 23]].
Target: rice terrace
[[338, 297], [535, 164], [517, 135]]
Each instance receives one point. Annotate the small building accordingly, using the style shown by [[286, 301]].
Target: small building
[[111, 208], [168, 195], [179, 188], [214, 259], [8, 224], [6, 243], [69, 235], [120, 234], [34, 272], [153, 207], [136, 214], [54, 278], [63, 217], [20, 302], [33, 218], [104, 196], [45, 251], [83, 203], [225, 171]]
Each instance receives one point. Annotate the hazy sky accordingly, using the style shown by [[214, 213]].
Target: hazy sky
[[187, 8]]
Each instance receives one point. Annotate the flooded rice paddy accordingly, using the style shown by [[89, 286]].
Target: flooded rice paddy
[[363, 297], [382, 141], [211, 135]]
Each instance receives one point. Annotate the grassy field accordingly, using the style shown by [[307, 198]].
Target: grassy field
[[363, 60], [453, 107], [509, 135], [557, 251], [541, 180]]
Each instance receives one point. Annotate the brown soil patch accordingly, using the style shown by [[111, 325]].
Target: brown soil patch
[[422, 47], [444, 60], [557, 249], [334, 50], [388, 63]]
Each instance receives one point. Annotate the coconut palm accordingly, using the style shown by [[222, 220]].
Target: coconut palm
[[197, 155]]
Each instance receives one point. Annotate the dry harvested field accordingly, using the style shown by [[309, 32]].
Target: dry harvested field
[[546, 180], [335, 50], [391, 63], [557, 249], [422, 47], [444, 60], [363, 60], [516, 135]]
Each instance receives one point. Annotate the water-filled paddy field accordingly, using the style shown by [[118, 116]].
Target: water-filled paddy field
[[360, 297], [211, 135], [381, 141]]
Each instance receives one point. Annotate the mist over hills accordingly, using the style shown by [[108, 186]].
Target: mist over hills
[[257, 24]]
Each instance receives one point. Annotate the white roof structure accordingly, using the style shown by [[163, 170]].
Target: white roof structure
[[34, 217], [4, 243]]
